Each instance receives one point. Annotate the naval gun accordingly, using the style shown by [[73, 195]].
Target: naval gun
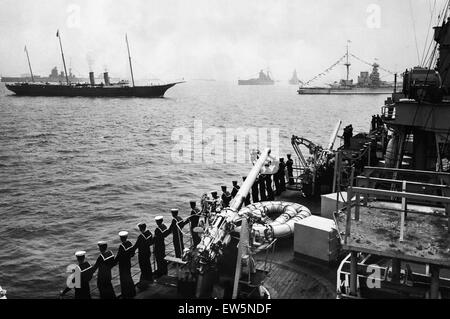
[[218, 234], [217, 238], [235, 234]]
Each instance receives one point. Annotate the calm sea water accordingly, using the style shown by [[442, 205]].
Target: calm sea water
[[74, 171]]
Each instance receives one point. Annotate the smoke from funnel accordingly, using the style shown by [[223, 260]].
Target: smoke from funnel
[[90, 61]]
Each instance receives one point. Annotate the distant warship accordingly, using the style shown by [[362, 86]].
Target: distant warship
[[367, 83], [54, 76], [263, 79], [294, 80], [91, 89]]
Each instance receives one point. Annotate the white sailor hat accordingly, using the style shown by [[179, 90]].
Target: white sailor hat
[[102, 243], [174, 210], [123, 234], [159, 218], [80, 253]]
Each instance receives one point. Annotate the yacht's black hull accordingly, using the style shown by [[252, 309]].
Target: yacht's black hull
[[153, 91]]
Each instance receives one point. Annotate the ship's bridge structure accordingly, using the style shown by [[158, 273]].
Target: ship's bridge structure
[[397, 228]]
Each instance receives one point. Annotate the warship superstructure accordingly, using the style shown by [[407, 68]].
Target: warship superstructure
[[294, 79], [263, 79], [54, 76], [368, 83]]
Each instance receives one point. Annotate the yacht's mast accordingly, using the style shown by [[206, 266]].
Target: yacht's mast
[[129, 58], [29, 64], [64, 60], [347, 64]]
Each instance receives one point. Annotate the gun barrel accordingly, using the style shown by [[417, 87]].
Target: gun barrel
[[237, 202]]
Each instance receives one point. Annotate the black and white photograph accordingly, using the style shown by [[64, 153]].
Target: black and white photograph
[[224, 154]]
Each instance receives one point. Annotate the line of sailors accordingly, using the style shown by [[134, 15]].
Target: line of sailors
[[261, 191], [106, 261]]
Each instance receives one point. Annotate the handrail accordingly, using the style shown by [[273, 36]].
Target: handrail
[[406, 171], [397, 181], [371, 191]]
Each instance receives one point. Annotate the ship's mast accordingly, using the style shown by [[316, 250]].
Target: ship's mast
[[29, 64], [129, 58], [347, 64], [62, 54]]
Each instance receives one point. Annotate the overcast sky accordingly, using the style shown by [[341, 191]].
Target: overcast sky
[[220, 39]]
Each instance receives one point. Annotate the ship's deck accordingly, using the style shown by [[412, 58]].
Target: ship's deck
[[290, 277], [426, 238]]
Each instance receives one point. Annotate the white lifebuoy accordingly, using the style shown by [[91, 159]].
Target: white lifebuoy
[[283, 225]]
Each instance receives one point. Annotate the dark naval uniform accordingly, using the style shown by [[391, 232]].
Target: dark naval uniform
[[194, 220], [247, 199], [226, 199], [262, 188], [175, 228], [235, 190], [104, 264], [143, 244], [290, 169], [160, 250], [124, 259], [255, 191], [84, 292], [282, 175], [276, 179]]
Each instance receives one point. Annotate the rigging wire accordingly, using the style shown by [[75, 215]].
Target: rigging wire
[[428, 33], [339, 61], [371, 64], [414, 29], [428, 58], [326, 71]]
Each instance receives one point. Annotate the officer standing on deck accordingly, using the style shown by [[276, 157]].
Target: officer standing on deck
[[226, 197], [235, 190], [159, 250], [290, 169], [282, 175], [262, 188], [276, 179], [123, 258], [175, 228], [255, 191], [104, 264], [85, 269], [348, 132], [194, 220], [143, 243]]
